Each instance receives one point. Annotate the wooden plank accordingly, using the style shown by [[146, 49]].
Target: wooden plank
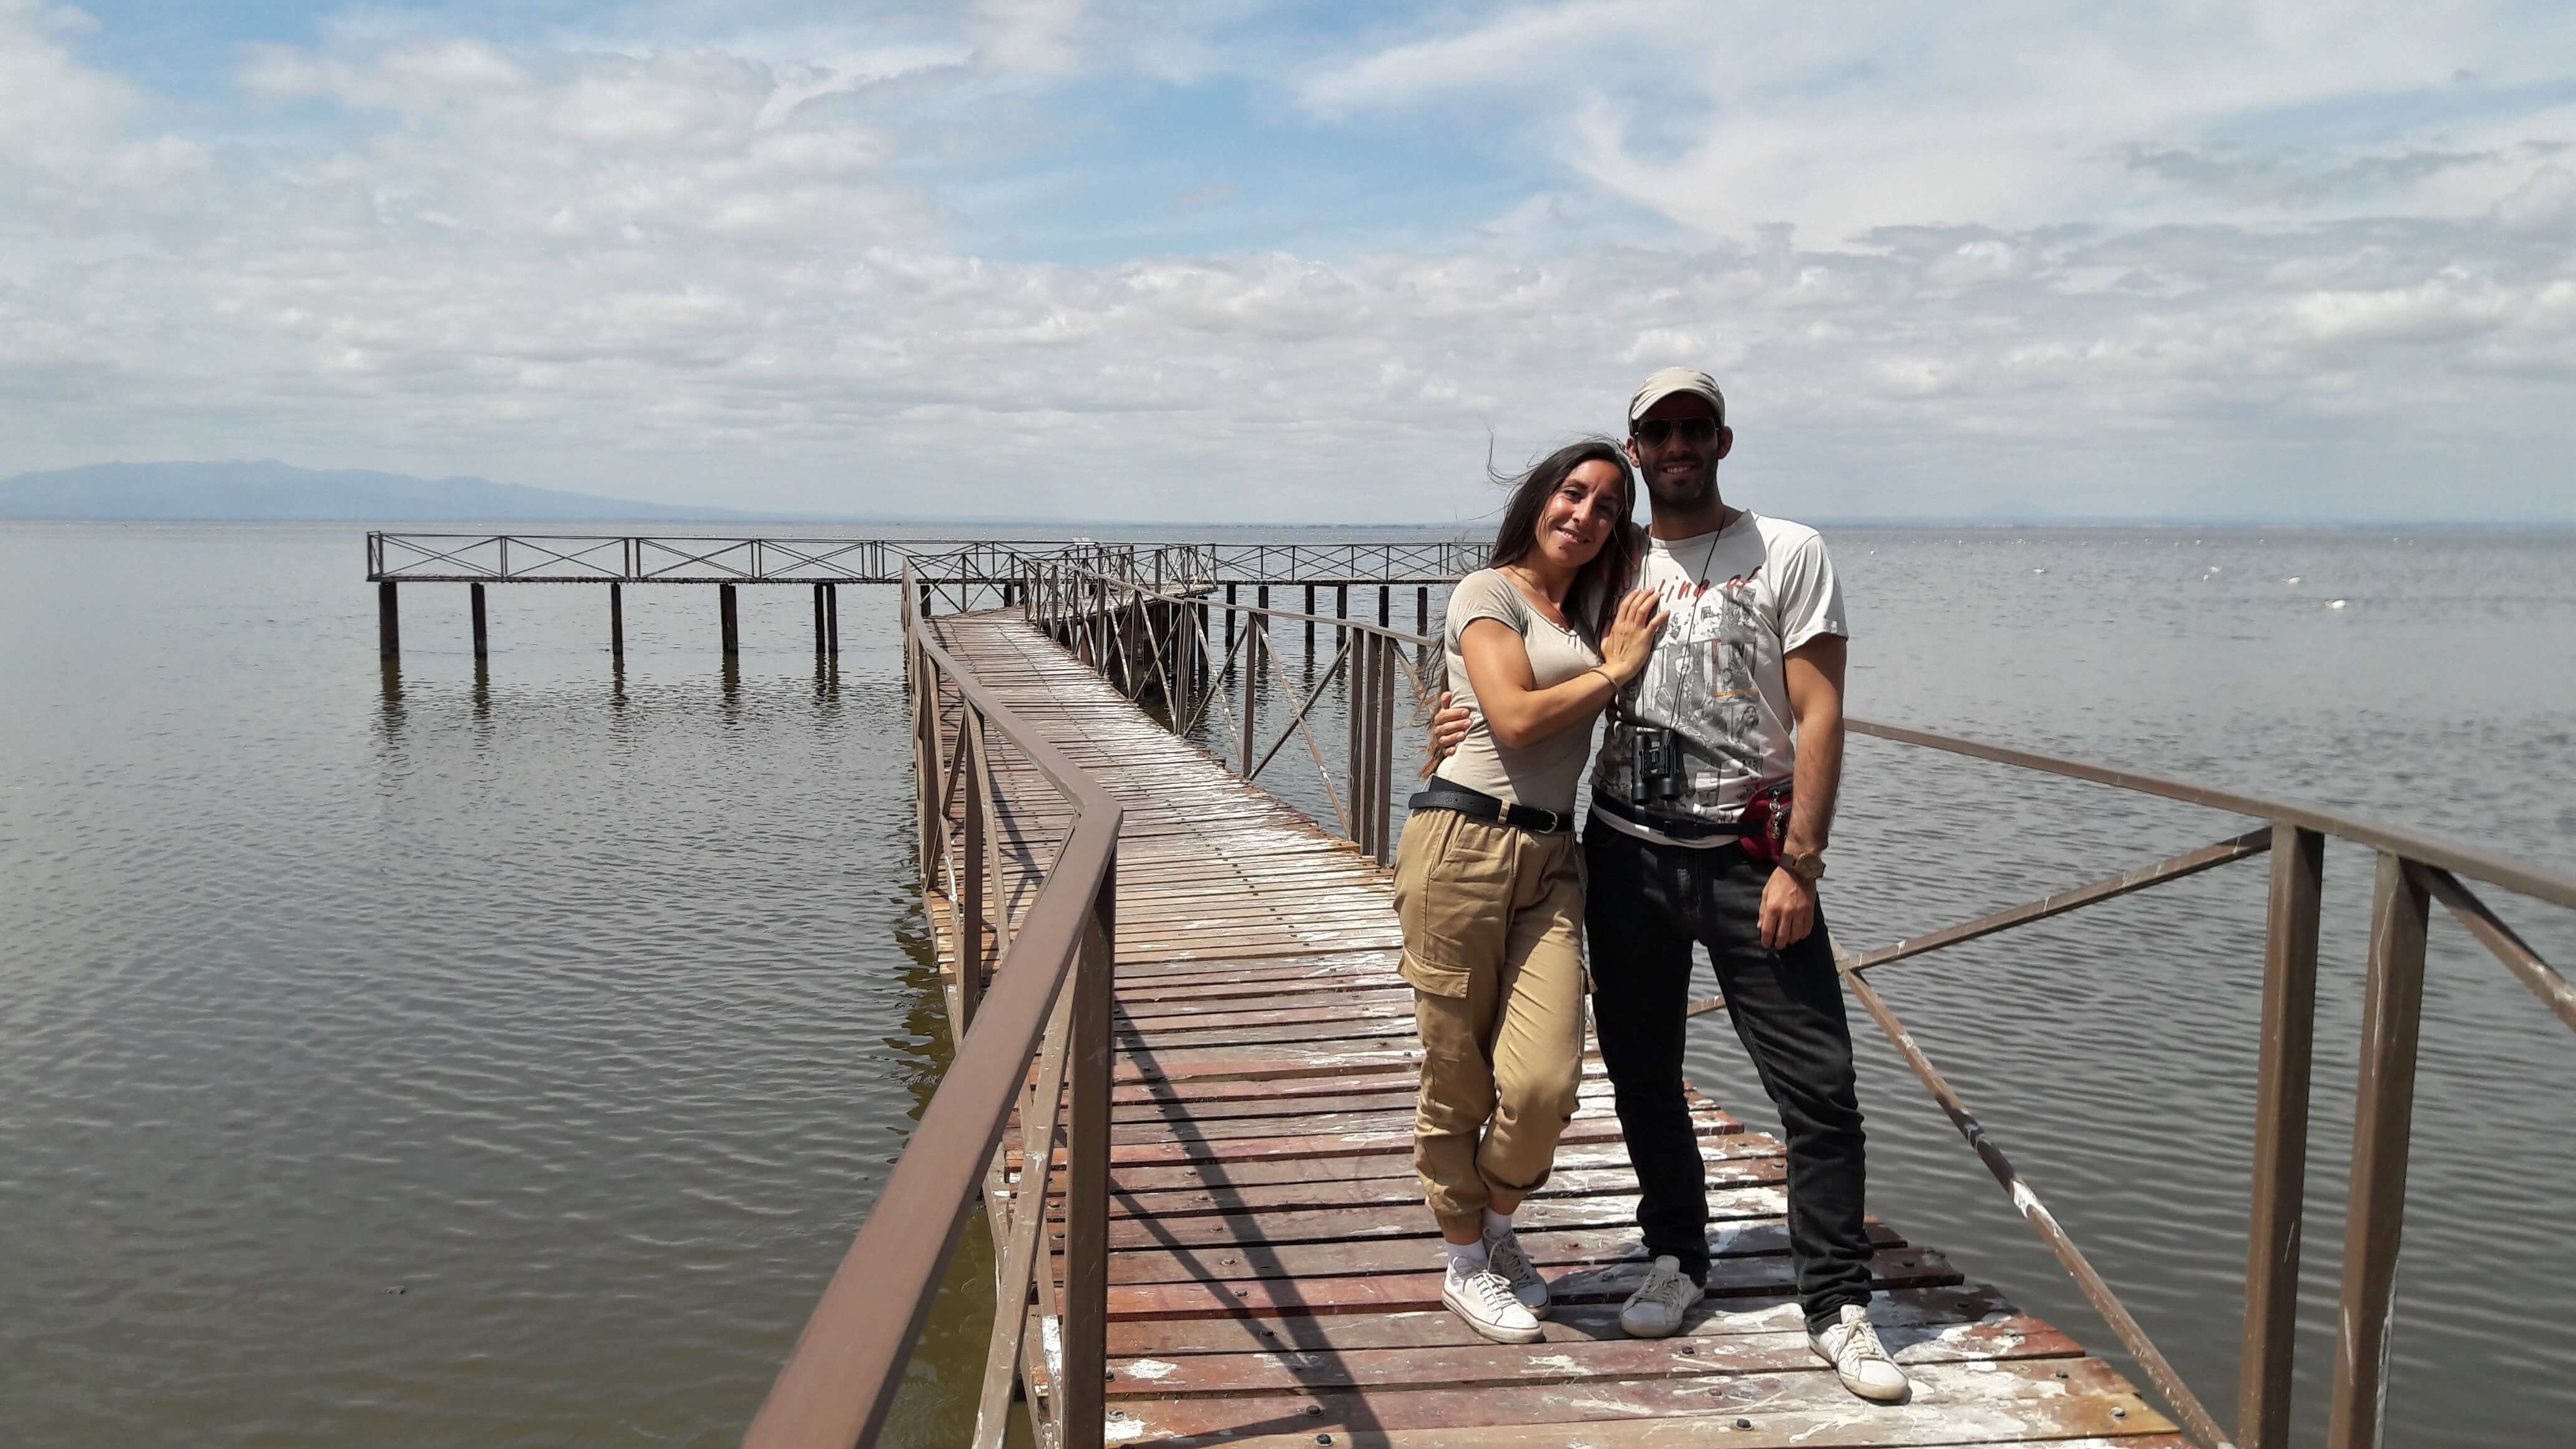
[[1402, 1292], [1385, 1141], [1380, 1194], [2005, 1336], [1339, 1244], [1214, 1177], [1992, 1400], [1900, 1310]]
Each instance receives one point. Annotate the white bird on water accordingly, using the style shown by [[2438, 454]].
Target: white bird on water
[[2336, 603], [2292, 579]]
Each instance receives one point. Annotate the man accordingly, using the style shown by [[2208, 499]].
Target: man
[[1743, 695]]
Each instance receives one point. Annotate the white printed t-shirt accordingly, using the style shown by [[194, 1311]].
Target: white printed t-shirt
[[1740, 600]]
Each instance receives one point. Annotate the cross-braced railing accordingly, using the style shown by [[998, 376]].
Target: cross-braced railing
[[1429, 561], [2413, 871], [1161, 639], [1031, 1009]]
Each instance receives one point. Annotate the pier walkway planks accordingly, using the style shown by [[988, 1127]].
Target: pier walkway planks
[[1273, 1276]]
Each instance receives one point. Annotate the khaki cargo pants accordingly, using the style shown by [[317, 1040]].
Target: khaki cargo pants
[[1493, 947]]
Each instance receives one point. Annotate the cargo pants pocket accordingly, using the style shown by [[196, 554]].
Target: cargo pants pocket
[[1453, 897]]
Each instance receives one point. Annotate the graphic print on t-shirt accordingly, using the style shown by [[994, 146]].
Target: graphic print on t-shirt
[[1711, 694], [1737, 603]]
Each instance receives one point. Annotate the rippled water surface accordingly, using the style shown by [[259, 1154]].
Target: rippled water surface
[[444, 1059]]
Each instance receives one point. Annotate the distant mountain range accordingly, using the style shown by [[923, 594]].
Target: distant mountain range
[[269, 489]]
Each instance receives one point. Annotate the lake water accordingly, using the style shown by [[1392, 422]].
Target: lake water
[[458, 1060]]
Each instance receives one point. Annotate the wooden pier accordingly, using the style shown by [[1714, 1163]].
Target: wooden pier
[[1183, 1087], [1273, 1275]]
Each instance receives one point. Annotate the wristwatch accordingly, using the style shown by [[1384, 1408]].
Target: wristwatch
[[1808, 866]]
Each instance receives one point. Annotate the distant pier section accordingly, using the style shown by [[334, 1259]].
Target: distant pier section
[[951, 574]]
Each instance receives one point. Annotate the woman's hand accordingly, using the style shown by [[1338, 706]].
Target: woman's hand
[[1631, 640], [1449, 727]]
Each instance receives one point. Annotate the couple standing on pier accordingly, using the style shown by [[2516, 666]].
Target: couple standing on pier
[[1715, 638]]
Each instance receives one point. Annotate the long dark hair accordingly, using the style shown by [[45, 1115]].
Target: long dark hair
[[1602, 580]]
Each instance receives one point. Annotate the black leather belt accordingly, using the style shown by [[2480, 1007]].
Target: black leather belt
[[1672, 827], [1478, 805]]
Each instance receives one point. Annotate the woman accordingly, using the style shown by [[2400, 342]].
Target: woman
[[1488, 883]]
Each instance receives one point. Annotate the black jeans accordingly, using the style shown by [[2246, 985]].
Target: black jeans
[[1645, 905]]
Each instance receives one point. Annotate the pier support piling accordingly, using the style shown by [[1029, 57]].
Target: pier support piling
[[821, 644], [482, 640], [1422, 609], [728, 619], [1310, 626], [617, 622], [1385, 604], [388, 621], [832, 619]]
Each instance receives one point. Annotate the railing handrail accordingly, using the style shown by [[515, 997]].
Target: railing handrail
[[2513, 875], [1146, 590], [840, 1380]]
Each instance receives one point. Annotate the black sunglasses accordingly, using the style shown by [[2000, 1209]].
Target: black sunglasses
[[1654, 433]]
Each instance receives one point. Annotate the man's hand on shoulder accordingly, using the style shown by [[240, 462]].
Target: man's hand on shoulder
[[1788, 909], [1448, 727]]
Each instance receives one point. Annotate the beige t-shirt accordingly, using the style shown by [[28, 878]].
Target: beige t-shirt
[[1544, 774]]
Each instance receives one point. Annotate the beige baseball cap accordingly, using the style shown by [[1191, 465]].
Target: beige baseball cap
[[1672, 380]]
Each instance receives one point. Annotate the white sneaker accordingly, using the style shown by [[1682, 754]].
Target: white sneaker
[[1655, 1310], [1484, 1299], [1503, 1254], [1859, 1360]]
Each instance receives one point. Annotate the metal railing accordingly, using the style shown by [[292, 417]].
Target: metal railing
[[1161, 637], [1037, 1041], [1144, 637], [2413, 871], [541, 558], [1426, 562], [529, 558]]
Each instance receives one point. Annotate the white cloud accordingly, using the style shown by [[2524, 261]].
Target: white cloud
[[723, 272], [1837, 118], [1035, 36]]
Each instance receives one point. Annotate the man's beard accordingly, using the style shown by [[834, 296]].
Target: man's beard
[[1687, 496]]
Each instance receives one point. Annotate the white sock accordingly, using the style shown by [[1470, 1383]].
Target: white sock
[[1497, 1224], [1467, 1256]]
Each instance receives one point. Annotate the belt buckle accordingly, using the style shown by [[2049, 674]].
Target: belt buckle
[[1556, 821]]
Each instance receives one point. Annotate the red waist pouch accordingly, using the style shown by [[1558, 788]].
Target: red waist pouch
[[1766, 822]]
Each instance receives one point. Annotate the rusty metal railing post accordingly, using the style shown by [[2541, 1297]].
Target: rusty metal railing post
[[2280, 1140], [968, 893], [2382, 1120], [1359, 696], [1364, 808], [1254, 633], [925, 708], [1082, 1405], [1385, 760]]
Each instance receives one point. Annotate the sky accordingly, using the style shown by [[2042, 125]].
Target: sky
[[1232, 261]]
